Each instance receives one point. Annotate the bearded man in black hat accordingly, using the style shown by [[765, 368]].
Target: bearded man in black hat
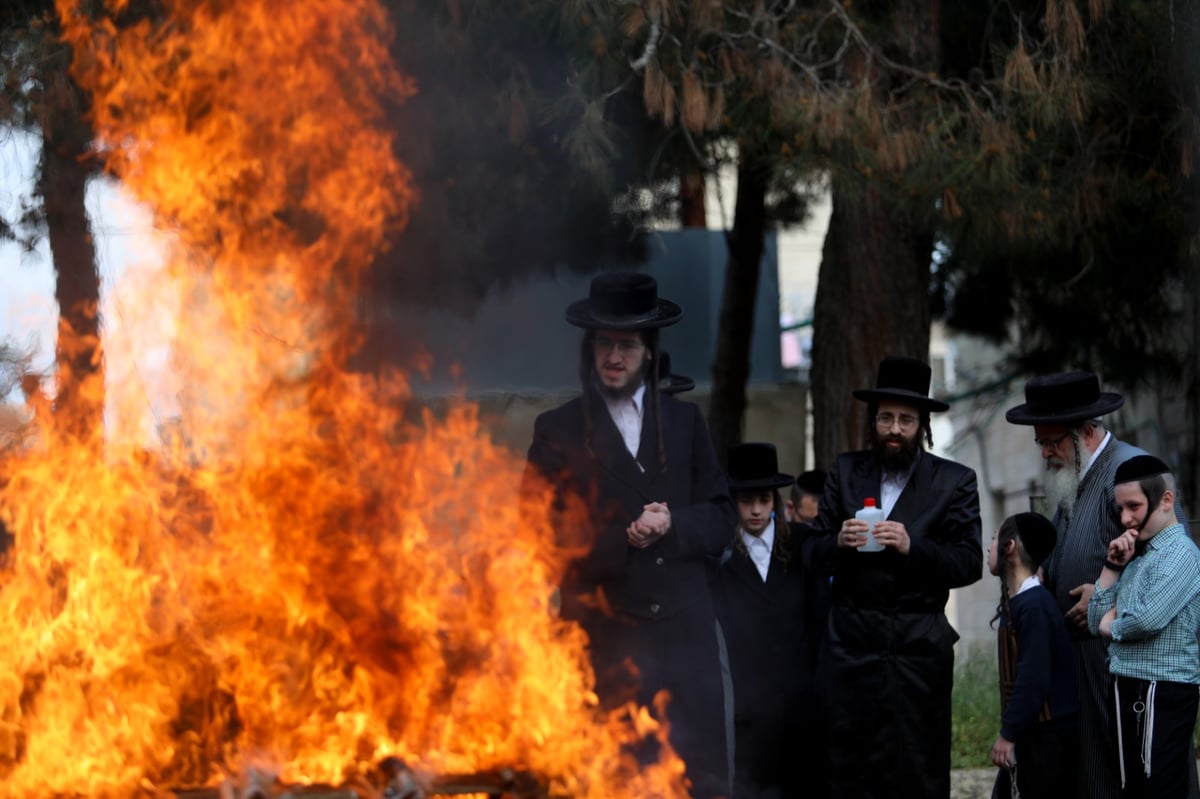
[[887, 663], [658, 512], [1081, 459]]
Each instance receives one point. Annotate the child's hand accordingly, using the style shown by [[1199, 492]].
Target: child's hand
[[1004, 754], [1120, 549], [1106, 623]]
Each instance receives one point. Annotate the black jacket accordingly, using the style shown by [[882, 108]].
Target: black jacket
[[650, 607], [668, 576], [888, 663], [768, 629]]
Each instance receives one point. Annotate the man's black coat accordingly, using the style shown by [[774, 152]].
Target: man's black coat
[[888, 664], [652, 606]]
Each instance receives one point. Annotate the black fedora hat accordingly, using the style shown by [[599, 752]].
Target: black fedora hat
[[623, 301], [904, 380], [669, 383], [755, 467], [1063, 398]]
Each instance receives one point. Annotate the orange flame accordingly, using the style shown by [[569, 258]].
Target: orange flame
[[302, 582]]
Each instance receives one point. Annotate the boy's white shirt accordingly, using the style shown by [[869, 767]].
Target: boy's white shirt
[[1031, 581], [760, 548]]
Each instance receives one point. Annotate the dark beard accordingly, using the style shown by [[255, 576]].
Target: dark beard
[[899, 462]]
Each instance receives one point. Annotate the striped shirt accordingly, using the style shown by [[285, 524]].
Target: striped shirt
[[1158, 611]]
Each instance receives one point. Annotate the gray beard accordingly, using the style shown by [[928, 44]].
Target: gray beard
[[1062, 488]]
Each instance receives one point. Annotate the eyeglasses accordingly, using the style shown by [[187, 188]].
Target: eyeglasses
[[1051, 443], [886, 420], [623, 346]]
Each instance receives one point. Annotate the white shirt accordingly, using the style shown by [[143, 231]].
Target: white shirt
[[760, 548], [890, 488], [1031, 581], [1096, 454], [626, 413]]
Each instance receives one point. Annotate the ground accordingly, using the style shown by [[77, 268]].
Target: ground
[[972, 783]]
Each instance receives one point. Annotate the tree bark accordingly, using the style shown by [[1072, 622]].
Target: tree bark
[[735, 326], [64, 171], [692, 209], [872, 300], [873, 285]]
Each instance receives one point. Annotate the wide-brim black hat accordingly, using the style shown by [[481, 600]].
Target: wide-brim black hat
[[669, 383], [755, 467], [904, 380], [623, 301], [1063, 398]]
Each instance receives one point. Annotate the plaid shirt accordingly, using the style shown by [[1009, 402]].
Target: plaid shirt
[[1158, 610]]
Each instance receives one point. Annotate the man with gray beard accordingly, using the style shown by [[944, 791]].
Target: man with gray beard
[[1081, 458]]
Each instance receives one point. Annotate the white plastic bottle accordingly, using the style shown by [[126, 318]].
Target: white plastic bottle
[[870, 514]]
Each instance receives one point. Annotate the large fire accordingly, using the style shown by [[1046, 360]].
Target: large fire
[[299, 582]]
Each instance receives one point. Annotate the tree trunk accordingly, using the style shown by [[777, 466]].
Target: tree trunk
[[692, 209], [873, 286], [735, 327], [62, 183], [872, 300]]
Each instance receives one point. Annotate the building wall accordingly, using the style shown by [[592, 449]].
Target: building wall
[[518, 340]]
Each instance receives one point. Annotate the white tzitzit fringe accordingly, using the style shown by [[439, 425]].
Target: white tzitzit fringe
[[1120, 737], [1148, 729]]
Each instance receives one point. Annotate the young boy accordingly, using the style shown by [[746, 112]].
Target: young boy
[[1038, 745], [760, 597], [1147, 606]]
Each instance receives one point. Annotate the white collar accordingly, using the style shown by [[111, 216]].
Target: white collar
[[1095, 455], [636, 398], [767, 537], [1032, 581]]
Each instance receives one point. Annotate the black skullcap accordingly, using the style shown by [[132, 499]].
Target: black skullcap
[[812, 482], [1139, 467], [1037, 534]]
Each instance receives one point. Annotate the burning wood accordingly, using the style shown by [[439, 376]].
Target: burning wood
[[392, 780]]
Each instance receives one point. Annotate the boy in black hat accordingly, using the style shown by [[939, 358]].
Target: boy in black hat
[[1081, 458], [658, 511], [1147, 606], [1038, 746], [887, 665], [761, 604]]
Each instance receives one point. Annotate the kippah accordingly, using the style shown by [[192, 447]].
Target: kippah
[[1140, 467], [812, 482], [1038, 535]]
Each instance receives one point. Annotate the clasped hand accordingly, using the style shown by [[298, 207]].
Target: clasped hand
[[653, 524]]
